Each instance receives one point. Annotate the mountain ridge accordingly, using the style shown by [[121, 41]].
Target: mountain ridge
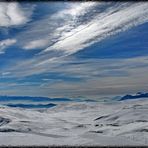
[[32, 98], [136, 96]]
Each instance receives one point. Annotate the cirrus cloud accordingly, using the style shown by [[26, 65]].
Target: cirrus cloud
[[12, 14], [6, 43]]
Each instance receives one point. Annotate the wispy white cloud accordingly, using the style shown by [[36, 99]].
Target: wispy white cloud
[[75, 10], [97, 76], [6, 43], [36, 44], [71, 35], [12, 14], [110, 22], [71, 30], [106, 76], [51, 27], [79, 26]]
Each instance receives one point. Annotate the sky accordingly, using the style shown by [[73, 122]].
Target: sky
[[73, 49]]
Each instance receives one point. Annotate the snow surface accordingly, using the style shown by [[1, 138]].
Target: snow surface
[[119, 123]]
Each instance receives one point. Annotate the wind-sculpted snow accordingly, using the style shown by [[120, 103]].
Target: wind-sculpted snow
[[77, 123]]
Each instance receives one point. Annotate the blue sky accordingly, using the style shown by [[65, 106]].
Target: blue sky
[[72, 49]]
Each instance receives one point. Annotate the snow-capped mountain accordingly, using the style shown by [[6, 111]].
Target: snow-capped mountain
[[136, 96]]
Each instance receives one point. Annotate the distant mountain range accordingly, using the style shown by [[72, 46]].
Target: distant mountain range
[[47, 99], [29, 98], [32, 102], [32, 105], [136, 96], [40, 99]]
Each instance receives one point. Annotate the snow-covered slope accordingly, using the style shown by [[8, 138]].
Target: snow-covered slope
[[80, 123]]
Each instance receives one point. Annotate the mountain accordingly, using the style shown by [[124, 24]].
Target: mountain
[[90, 100], [32, 105], [138, 95], [29, 98]]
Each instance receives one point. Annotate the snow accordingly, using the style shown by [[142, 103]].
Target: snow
[[77, 123]]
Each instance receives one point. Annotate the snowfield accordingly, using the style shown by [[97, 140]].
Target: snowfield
[[119, 123]]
